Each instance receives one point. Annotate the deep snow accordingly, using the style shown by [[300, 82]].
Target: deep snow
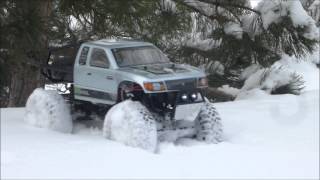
[[273, 137]]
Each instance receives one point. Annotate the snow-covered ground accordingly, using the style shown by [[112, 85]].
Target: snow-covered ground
[[273, 137]]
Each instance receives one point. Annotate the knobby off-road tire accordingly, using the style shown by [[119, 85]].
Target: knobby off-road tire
[[208, 124], [48, 109], [131, 123]]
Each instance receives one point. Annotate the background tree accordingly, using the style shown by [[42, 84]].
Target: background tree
[[24, 45], [313, 8], [237, 35], [154, 21], [223, 36]]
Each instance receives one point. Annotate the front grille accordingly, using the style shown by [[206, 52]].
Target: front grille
[[182, 84]]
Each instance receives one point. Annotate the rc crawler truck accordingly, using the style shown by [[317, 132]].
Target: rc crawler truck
[[139, 83]]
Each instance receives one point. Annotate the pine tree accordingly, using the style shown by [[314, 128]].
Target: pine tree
[[313, 8], [23, 46], [153, 21], [237, 35]]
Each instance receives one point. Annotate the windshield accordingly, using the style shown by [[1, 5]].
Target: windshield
[[133, 56]]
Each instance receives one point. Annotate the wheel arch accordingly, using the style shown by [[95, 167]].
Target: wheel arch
[[128, 84]]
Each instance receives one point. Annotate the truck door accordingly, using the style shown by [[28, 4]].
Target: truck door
[[98, 83]]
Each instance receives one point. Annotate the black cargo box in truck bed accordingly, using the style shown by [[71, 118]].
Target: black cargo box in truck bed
[[59, 65]]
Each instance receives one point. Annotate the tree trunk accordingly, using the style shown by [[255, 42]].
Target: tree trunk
[[45, 9], [22, 85], [26, 76]]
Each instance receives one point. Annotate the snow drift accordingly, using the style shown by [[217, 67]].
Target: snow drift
[[261, 81]]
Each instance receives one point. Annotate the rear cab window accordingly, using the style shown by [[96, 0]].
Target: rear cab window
[[83, 55]]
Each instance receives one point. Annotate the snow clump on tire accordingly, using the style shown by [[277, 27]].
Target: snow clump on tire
[[129, 122], [48, 109]]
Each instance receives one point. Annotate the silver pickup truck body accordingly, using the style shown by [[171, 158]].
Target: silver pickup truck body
[[103, 73], [100, 83], [100, 74]]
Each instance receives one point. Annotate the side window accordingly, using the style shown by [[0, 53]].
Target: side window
[[83, 55], [99, 58]]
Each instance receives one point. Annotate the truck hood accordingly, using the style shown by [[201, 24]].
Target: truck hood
[[166, 71]]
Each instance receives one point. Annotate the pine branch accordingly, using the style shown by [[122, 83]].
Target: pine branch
[[228, 4], [217, 4], [200, 11]]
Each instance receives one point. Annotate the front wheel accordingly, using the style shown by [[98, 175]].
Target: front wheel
[[208, 124], [129, 122]]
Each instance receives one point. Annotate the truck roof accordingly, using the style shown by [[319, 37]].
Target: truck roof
[[110, 43]]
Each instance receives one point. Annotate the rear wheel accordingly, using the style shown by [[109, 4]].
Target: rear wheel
[[48, 109]]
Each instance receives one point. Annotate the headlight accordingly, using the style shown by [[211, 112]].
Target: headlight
[[193, 96], [203, 82], [184, 97], [154, 86]]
